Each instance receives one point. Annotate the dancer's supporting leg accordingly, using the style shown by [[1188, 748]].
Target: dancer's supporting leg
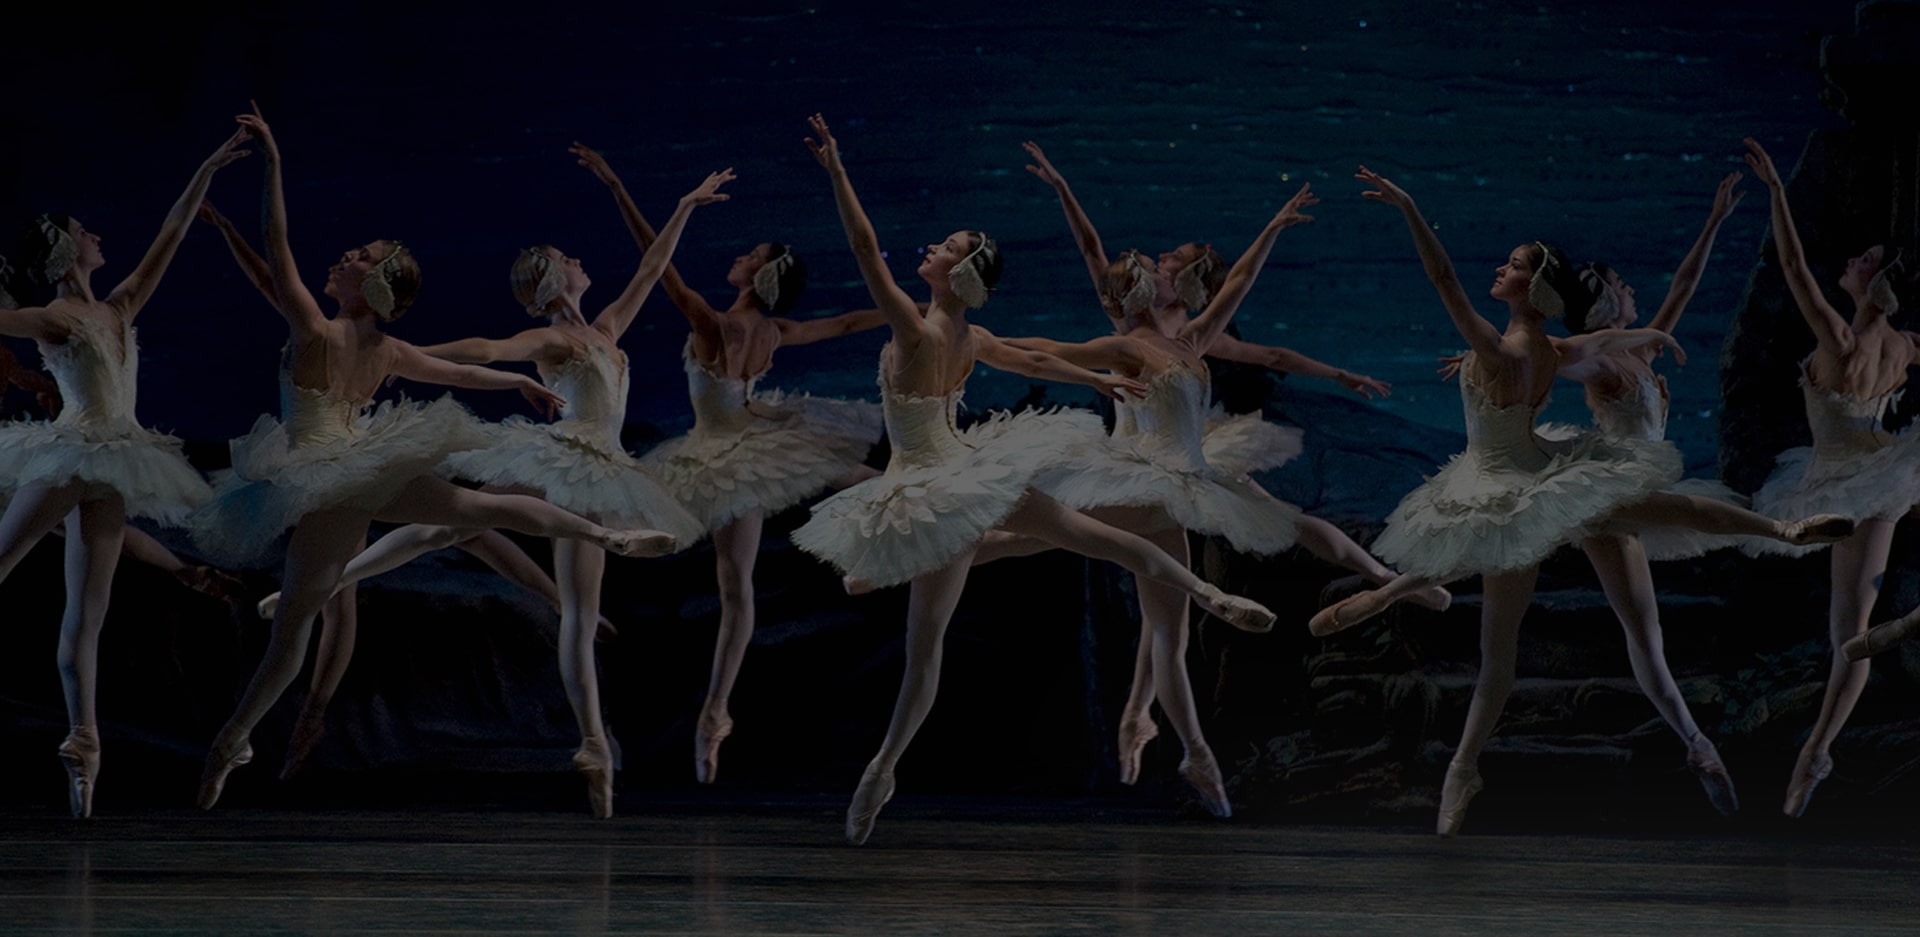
[[1504, 600], [93, 551], [579, 568], [1163, 620], [735, 547], [1621, 564], [32, 513], [1857, 564], [339, 627]]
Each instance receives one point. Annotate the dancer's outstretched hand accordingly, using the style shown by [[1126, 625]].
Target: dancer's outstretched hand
[[589, 157], [1040, 167], [1383, 190], [1762, 164], [1450, 366], [1120, 388], [825, 149], [1679, 354], [545, 401], [211, 215], [256, 125], [1363, 385], [1290, 214], [708, 191], [1726, 197], [230, 150]]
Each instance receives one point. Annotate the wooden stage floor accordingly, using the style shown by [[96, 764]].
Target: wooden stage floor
[[955, 867]]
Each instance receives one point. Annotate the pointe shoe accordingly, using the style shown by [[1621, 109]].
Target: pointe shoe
[[1808, 772], [1203, 773], [876, 788], [1346, 613], [1135, 733], [1706, 765], [855, 586], [639, 543], [1820, 528], [81, 754], [1432, 598], [1242, 613], [308, 730], [1463, 781], [268, 606], [707, 736], [1881, 637], [595, 761], [213, 777], [211, 582]]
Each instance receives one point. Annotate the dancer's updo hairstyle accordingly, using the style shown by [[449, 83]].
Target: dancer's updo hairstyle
[[975, 276], [393, 283], [1897, 278], [1127, 287], [1197, 282], [1555, 289], [537, 281]]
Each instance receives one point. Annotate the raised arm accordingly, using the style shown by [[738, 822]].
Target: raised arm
[[251, 263], [989, 349], [134, 291], [699, 314], [290, 296], [415, 365], [617, 316], [1084, 234], [1208, 325], [808, 331], [1686, 277], [1288, 361], [538, 344], [1480, 334], [1830, 329], [899, 310]]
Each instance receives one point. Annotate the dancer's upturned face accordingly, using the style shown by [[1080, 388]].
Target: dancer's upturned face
[[740, 275], [577, 279], [1861, 270], [1172, 262], [1510, 280], [941, 257], [343, 278], [88, 256]]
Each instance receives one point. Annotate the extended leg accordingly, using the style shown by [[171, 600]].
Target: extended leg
[[1718, 517], [401, 545], [429, 500], [32, 513], [1332, 545]]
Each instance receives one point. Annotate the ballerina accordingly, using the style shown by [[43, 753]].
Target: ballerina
[[751, 453], [1854, 466], [1190, 276], [330, 470], [944, 490], [93, 465], [1157, 481], [1512, 497]]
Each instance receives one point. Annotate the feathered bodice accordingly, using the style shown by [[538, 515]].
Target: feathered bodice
[[1502, 436], [315, 417], [719, 401], [920, 429], [1845, 426], [1640, 413], [96, 371], [595, 387], [1171, 420]]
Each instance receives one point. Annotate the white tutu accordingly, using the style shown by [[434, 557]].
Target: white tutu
[[1514, 497], [759, 451], [942, 491], [95, 439], [1161, 455], [349, 461], [577, 463], [1853, 468]]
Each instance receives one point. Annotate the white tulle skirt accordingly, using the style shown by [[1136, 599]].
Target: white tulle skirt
[[1883, 484], [571, 468], [273, 485], [146, 468], [916, 517], [1480, 515], [794, 448]]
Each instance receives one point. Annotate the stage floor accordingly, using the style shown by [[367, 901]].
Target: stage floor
[[971, 867]]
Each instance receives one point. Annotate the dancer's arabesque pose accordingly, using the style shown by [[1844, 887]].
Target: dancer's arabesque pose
[[944, 490], [1854, 466], [1512, 497], [1188, 278], [93, 465], [751, 453], [329, 469]]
